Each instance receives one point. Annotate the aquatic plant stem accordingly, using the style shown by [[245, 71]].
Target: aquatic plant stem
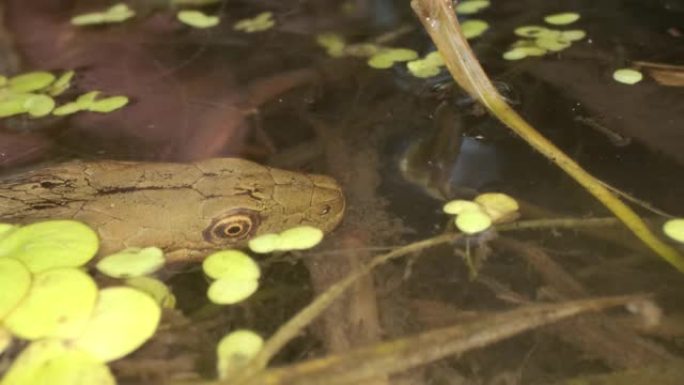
[[439, 20], [304, 317]]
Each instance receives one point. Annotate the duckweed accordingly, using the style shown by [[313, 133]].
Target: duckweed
[[197, 19], [235, 350], [333, 43], [39, 105], [62, 83], [260, 22], [115, 14], [469, 7], [541, 40], [478, 215], [472, 222], [458, 206], [297, 238], [155, 289], [627, 76], [386, 58], [674, 228], [15, 281], [58, 363], [236, 274], [228, 291], [500, 207], [474, 28], [132, 262], [50, 244], [230, 264], [30, 81], [564, 18], [123, 319], [109, 104], [58, 304]]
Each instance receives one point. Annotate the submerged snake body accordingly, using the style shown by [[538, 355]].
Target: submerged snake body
[[186, 209]]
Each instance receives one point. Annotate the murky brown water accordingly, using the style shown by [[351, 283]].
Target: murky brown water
[[275, 97]]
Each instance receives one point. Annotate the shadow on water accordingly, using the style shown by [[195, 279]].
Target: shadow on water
[[400, 147]]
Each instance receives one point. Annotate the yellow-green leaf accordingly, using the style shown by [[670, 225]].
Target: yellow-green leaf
[[674, 228], [58, 304], [31, 81], [15, 281], [562, 18], [260, 22], [474, 28], [472, 222], [123, 319], [235, 350], [230, 264], [132, 262], [197, 19], [49, 244], [627, 76]]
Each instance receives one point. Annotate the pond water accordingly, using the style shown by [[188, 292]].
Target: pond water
[[400, 147]]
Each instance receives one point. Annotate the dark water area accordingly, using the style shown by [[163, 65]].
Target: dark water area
[[400, 147]]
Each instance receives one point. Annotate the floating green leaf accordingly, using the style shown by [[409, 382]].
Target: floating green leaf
[[49, 244], [531, 31], [333, 43], [114, 14], [627, 76], [386, 57], [55, 362], [469, 7], [123, 319], [197, 19], [552, 44], [562, 18], [6, 229], [472, 222], [14, 104], [230, 264], [474, 28], [266, 243], [674, 228], [573, 35], [228, 291], [39, 105], [86, 100], [235, 350], [260, 22], [297, 238], [15, 280], [427, 67], [500, 207], [155, 289], [31, 81], [58, 304], [300, 238], [459, 206], [67, 109], [62, 83], [132, 262], [109, 104]]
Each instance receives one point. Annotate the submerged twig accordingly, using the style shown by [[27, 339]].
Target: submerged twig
[[301, 320], [439, 19], [406, 353]]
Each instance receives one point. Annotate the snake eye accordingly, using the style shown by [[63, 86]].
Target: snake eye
[[232, 227], [325, 209]]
